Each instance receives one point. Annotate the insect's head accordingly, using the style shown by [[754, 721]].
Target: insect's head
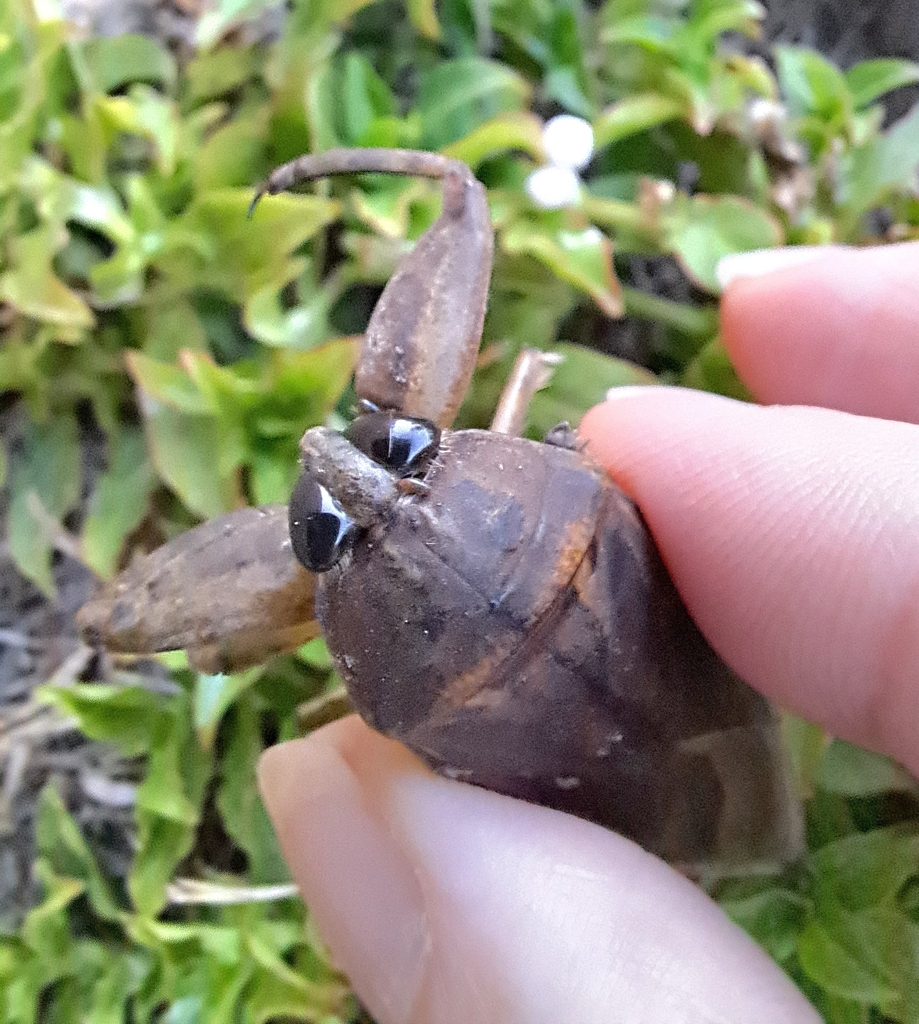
[[350, 479]]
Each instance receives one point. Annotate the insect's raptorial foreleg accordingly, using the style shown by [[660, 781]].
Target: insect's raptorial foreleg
[[532, 371], [411, 162], [421, 342]]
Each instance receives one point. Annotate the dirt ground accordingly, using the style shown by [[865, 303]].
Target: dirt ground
[[39, 644]]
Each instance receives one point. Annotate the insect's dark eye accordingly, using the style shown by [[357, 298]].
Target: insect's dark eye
[[320, 530], [404, 444]]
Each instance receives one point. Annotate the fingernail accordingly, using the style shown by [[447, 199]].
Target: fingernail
[[760, 262], [359, 885], [630, 391]]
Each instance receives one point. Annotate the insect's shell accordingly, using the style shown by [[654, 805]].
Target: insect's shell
[[516, 628]]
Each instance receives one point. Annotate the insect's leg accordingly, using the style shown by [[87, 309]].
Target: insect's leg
[[532, 371], [240, 650], [310, 166], [231, 589], [420, 346], [563, 435]]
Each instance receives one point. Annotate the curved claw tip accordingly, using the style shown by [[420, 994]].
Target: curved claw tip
[[259, 192]]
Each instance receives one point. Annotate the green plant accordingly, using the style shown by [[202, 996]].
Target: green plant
[[139, 305]]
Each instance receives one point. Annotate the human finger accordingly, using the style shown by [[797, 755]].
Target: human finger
[[829, 326], [793, 536], [444, 902]]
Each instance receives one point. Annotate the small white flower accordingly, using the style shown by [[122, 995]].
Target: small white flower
[[553, 187], [569, 144], [568, 141]]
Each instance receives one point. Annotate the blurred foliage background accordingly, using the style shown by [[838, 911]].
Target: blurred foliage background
[[160, 357]]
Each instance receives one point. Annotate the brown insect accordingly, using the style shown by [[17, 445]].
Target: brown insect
[[495, 603]]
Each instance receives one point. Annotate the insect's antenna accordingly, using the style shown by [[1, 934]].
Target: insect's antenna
[[411, 162]]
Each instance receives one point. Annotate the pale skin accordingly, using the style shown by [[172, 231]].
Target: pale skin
[[792, 533]]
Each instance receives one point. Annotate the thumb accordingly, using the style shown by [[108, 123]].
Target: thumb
[[445, 903]]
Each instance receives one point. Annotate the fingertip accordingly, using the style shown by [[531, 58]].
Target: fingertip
[[637, 430], [324, 796], [759, 263], [791, 534], [446, 902], [839, 330]]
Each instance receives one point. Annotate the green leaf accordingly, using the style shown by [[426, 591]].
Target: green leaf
[[62, 845], [316, 654], [583, 257], [852, 771], [872, 171], [244, 815], [699, 230], [123, 715], [163, 792], [423, 16], [234, 154], [170, 385], [566, 79], [457, 96], [867, 868], [31, 286], [712, 370], [171, 328], [635, 114], [811, 84], [122, 976], [305, 387], [223, 983], [348, 99], [219, 18], [831, 966], [694, 320], [229, 390], [20, 981], [387, 208], [168, 806], [183, 450], [773, 916], [202, 968], [300, 327], [654, 34], [61, 198], [870, 79], [213, 695], [46, 928], [116, 61], [709, 21], [888, 943], [363, 97], [871, 956], [278, 991], [45, 482], [177, 938], [805, 742], [147, 114], [215, 73], [251, 254], [519, 130], [578, 383], [118, 502]]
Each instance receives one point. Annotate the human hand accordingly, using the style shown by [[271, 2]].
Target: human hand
[[792, 536]]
